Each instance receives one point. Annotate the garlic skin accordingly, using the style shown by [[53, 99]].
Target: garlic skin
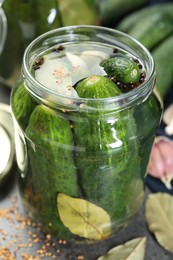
[[168, 120], [161, 160]]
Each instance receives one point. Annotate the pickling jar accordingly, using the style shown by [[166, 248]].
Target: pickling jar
[[23, 21], [82, 161]]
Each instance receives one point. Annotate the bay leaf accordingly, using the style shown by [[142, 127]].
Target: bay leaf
[[83, 218], [159, 217], [131, 250]]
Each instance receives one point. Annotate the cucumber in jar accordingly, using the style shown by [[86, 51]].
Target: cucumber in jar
[[108, 164], [50, 145], [22, 105]]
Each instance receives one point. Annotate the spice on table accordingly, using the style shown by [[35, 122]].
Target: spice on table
[[13, 246]]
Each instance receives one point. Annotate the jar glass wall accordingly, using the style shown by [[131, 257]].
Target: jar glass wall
[[83, 161]]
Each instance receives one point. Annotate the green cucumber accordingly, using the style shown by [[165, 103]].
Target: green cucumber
[[144, 13], [157, 28], [125, 70], [97, 87], [25, 21], [10, 60], [50, 144], [111, 11], [163, 57], [22, 105], [153, 27], [107, 157]]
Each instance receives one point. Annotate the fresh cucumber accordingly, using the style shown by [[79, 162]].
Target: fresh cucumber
[[132, 19], [50, 145], [97, 87], [22, 105], [107, 158], [163, 57], [157, 28], [111, 11]]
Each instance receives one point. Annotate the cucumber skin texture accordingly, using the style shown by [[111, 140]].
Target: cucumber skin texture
[[157, 28], [106, 172], [161, 51], [33, 15], [132, 19], [96, 87], [52, 166], [122, 68], [163, 57], [22, 105], [108, 9]]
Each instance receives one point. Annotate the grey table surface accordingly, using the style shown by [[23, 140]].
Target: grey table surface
[[22, 239]]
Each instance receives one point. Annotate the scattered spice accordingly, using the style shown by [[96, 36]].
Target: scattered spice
[[14, 246]]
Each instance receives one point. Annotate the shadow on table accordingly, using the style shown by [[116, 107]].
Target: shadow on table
[[8, 183]]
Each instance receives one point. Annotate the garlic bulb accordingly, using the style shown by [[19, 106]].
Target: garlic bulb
[[161, 160]]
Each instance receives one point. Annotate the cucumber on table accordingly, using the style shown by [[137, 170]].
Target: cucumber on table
[[50, 144]]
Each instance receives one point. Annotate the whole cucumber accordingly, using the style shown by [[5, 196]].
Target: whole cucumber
[[163, 57], [156, 29], [125, 70], [111, 11], [153, 27], [50, 145], [22, 105], [107, 158], [143, 14]]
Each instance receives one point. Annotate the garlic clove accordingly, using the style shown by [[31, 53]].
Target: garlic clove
[[167, 181], [168, 120], [161, 160]]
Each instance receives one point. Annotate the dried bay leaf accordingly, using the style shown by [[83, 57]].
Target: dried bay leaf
[[131, 250], [159, 216], [83, 218]]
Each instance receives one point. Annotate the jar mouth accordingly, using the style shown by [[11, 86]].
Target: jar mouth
[[83, 32]]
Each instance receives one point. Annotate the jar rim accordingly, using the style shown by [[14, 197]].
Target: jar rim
[[125, 99]]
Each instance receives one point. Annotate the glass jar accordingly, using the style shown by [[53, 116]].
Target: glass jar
[[3, 29], [83, 161], [25, 20]]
